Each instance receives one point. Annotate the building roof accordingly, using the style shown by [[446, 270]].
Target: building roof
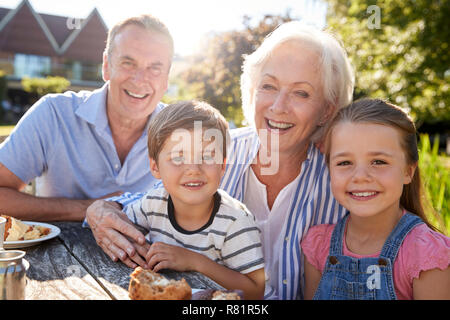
[[57, 26], [3, 12], [24, 30]]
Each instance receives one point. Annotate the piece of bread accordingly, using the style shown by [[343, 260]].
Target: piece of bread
[[148, 285], [221, 295], [212, 294], [16, 230]]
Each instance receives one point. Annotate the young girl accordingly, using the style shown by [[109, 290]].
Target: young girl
[[384, 248]]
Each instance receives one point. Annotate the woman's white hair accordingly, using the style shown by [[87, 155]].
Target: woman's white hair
[[336, 71]]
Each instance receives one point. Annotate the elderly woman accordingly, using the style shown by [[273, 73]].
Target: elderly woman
[[292, 85]]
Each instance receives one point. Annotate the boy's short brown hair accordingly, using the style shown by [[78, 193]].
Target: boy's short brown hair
[[184, 115]]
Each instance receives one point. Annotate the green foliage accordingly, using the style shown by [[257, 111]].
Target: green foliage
[[405, 59], [214, 74], [434, 169], [183, 92], [43, 86]]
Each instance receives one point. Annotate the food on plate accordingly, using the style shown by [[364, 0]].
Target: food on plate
[[148, 285], [16, 230]]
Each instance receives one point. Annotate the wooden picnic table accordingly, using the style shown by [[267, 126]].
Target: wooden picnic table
[[73, 267]]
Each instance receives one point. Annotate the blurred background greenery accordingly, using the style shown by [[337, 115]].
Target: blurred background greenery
[[434, 170], [405, 59]]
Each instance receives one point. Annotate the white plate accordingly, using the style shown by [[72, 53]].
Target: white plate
[[54, 231]]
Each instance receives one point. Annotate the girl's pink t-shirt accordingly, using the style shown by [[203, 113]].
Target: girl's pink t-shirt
[[423, 249]]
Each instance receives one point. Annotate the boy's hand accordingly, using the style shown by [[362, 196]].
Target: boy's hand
[[166, 256]]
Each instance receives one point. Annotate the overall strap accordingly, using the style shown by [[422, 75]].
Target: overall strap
[[395, 239], [337, 236]]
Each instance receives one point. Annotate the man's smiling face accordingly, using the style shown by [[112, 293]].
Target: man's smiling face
[[138, 72]]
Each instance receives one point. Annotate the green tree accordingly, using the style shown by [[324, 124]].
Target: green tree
[[403, 56], [214, 75], [43, 86]]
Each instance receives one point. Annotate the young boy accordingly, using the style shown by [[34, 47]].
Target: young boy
[[191, 224]]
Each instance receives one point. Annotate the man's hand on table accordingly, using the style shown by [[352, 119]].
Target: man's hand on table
[[115, 233]]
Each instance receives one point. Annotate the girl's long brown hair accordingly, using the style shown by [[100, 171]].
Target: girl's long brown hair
[[377, 111]]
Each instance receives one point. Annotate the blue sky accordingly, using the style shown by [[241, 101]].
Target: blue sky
[[188, 20]]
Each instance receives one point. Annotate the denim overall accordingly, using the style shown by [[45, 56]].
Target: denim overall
[[348, 278]]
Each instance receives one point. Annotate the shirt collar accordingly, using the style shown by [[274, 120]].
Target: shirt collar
[[93, 107], [93, 110]]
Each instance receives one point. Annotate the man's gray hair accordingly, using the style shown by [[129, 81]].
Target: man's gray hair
[[146, 21]]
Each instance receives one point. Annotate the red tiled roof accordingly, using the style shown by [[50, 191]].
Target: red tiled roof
[[57, 26], [3, 12], [24, 34], [91, 36], [26, 31]]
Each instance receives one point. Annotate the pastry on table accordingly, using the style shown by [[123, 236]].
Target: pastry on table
[[16, 230], [212, 294], [225, 295], [148, 285]]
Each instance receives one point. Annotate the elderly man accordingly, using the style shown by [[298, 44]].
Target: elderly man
[[89, 145]]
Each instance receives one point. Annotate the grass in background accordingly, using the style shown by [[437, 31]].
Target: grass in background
[[434, 169]]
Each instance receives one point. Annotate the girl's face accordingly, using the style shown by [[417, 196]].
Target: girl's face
[[368, 168]]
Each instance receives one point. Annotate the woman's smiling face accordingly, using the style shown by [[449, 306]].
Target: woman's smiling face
[[289, 100]]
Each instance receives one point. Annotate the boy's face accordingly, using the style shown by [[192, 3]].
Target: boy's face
[[190, 168]]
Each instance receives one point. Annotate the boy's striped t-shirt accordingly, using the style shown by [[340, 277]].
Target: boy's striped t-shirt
[[230, 237]]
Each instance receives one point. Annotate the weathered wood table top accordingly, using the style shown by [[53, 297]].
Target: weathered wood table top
[[73, 267]]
